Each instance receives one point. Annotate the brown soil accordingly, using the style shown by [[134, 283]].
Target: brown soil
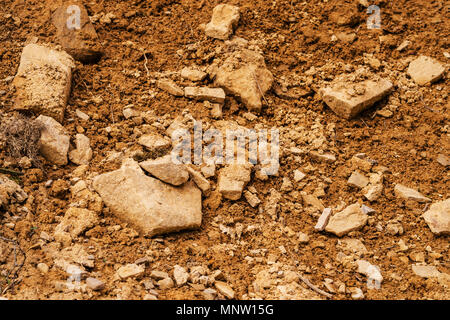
[[294, 36]]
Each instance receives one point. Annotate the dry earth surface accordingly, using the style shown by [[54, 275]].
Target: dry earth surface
[[361, 194]]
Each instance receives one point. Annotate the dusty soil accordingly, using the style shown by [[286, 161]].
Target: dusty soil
[[296, 39]]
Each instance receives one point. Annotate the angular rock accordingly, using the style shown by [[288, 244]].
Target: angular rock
[[165, 170], [325, 157], [193, 74], [232, 180], [244, 75], [348, 99], [271, 205], [323, 220], [438, 217], [406, 193], [95, 284], [10, 192], [350, 219], [75, 32], [372, 272], [43, 81], [252, 199], [164, 284], [358, 180], [148, 204], [425, 271], [76, 221], [154, 142], [130, 270], [170, 87], [83, 152], [54, 142], [373, 192], [224, 19], [224, 289], [298, 175], [205, 93], [199, 180], [159, 275], [443, 160], [425, 70], [180, 275]]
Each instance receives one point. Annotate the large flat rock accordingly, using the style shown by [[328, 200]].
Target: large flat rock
[[151, 206], [438, 217], [43, 81], [349, 99]]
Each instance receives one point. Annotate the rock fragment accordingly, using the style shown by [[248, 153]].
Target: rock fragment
[[75, 32], [349, 99], [43, 81], [180, 275], [224, 19], [438, 217], [54, 142], [323, 220], [244, 74], [83, 152], [10, 192], [350, 219], [95, 284], [76, 221], [358, 180], [372, 272], [154, 142], [425, 70], [232, 180], [224, 289], [406, 193], [130, 270], [199, 180], [204, 93], [170, 87], [443, 160], [148, 204], [193, 74], [166, 170], [425, 271], [252, 199]]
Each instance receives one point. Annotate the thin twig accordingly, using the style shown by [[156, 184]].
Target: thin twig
[[145, 65], [313, 287], [19, 267]]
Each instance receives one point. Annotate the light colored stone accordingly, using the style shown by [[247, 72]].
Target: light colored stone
[[42, 267], [303, 237], [353, 246], [271, 204], [148, 204], [425, 70], [443, 160], [10, 192], [209, 170], [224, 289], [154, 142], [232, 180], [166, 170], [372, 272], [54, 142], [311, 200], [193, 74], [438, 217], [406, 193], [95, 284], [224, 19], [130, 270], [165, 284], [83, 152], [244, 74], [159, 275], [350, 219], [199, 180], [298, 175], [358, 180], [425, 271], [252, 199], [180, 275], [170, 87], [80, 114], [43, 81], [349, 99], [325, 157], [323, 219], [130, 113], [204, 93], [373, 192], [80, 41], [76, 221]]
